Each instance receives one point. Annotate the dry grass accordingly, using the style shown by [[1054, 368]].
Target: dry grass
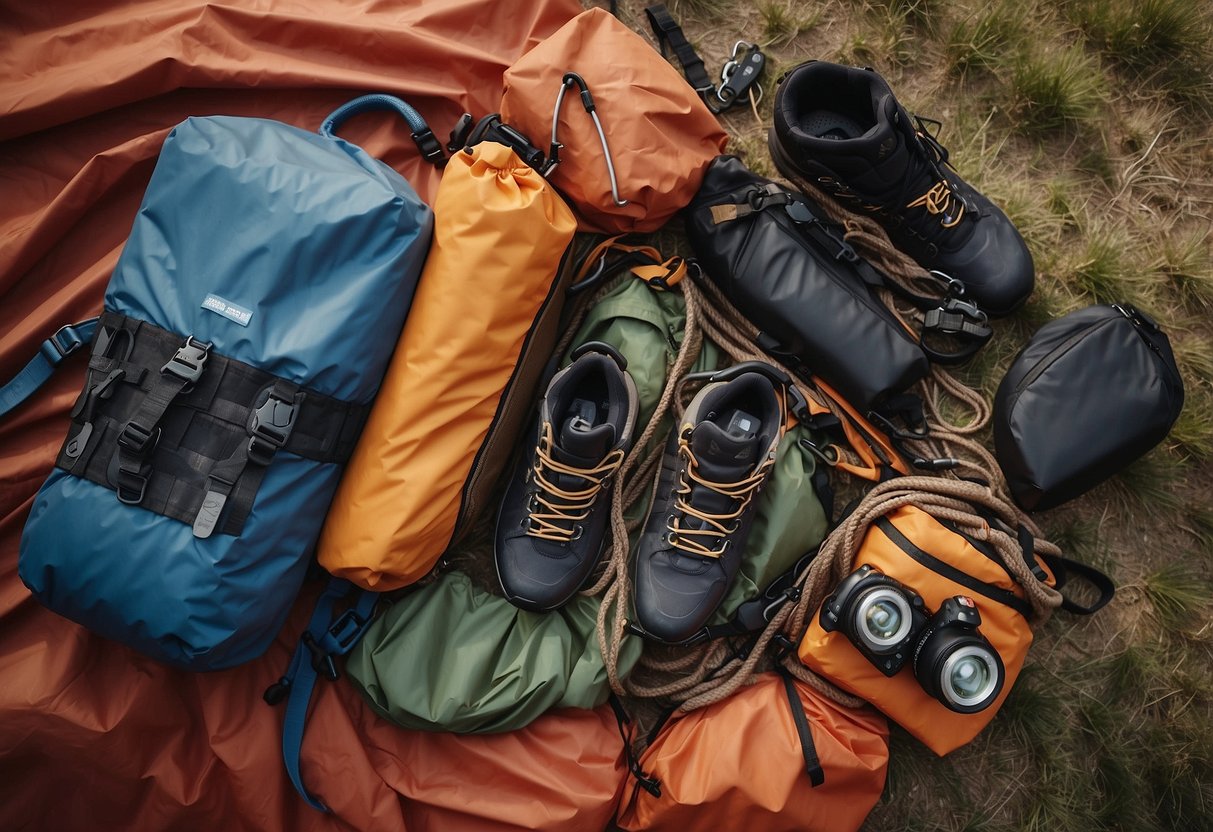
[[1090, 122]]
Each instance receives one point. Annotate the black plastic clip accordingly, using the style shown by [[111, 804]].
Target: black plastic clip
[[137, 439], [430, 147], [277, 692], [785, 646], [955, 317], [189, 361], [662, 283], [322, 660], [269, 428]]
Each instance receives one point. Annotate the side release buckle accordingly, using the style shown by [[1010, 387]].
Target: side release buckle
[[189, 361], [269, 428]]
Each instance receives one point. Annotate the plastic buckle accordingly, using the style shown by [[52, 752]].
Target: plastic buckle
[[63, 343], [189, 361], [137, 439], [430, 147], [786, 646], [345, 631], [322, 660], [952, 317], [270, 428], [663, 283], [130, 486], [278, 691]]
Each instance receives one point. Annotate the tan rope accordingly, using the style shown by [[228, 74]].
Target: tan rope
[[615, 577]]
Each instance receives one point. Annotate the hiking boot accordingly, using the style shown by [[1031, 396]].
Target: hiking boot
[[696, 532], [554, 517], [841, 129]]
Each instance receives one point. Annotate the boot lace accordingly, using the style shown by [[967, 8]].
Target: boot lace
[[556, 513], [940, 198], [712, 539]]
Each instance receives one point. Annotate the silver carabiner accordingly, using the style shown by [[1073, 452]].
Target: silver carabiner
[[587, 101]]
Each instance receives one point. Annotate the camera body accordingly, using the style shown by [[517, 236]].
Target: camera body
[[889, 624], [880, 616]]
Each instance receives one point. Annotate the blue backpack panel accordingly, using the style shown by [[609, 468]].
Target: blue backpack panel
[[246, 329]]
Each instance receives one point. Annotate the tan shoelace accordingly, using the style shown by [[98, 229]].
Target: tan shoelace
[[718, 526], [939, 199], [548, 519]]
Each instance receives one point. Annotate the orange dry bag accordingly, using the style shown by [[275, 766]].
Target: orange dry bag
[[774, 756], [482, 326], [634, 139]]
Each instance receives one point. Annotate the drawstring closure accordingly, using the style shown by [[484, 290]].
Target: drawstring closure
[[587, 100]]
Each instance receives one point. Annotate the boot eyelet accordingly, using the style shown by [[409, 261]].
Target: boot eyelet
[[577, 530], [671, 538]]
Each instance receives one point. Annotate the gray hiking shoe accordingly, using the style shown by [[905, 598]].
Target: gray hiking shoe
[[695, 537], [553, 520]]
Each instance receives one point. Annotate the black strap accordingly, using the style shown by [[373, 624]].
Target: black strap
[[643, 780], [139, 436], [669, 33], [210, 434], [1064, 569], [812, 765]]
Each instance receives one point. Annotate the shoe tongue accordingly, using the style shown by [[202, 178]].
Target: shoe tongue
[[722, 457], [582, 445], [719, 458]]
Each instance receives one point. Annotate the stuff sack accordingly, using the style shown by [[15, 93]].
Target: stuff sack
[[565, 772], [482, 329], [1089, 394], [225, 388], [787, 269], [657, 136], [452, 657], [795, 761]]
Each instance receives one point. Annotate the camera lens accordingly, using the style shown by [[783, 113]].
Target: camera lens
[[969, 676], [882, 619], [959, 669]]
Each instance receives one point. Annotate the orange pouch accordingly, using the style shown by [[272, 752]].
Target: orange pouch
[[660, 134], [482, 327], [915, 549], [742, 764]]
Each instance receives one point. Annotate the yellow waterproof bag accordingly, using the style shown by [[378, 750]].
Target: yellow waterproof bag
[[483, 323]]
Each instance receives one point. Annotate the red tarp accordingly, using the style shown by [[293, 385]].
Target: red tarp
[[92, 735]]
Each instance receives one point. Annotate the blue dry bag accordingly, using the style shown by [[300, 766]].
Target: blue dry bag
[[245, 331]]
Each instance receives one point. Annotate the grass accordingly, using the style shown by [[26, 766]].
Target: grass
[[781, 22], [1056, 88], [1089, 122], [1177, 593], [983, 40]]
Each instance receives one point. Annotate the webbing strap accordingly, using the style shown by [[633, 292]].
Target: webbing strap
[[812, 765], [670, 34], [193, 449], [42, 366], [324, 639], [1064, 569]]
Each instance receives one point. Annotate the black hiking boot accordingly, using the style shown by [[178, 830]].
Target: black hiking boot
[[554, 517], [841, 129], [695, 536]]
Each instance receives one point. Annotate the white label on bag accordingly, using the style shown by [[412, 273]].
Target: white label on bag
[[227, 309]]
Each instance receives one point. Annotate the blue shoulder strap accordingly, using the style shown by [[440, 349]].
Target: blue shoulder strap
[[324, 640], [42, 366]]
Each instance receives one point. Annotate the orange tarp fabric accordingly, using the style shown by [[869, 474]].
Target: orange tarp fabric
[[93, 735]]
